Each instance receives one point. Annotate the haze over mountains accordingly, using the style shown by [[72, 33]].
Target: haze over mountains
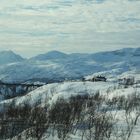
[[9, 57], [57, 66]]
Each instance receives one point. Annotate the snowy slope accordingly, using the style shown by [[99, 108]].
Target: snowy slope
[[48, 94], [56, 66]]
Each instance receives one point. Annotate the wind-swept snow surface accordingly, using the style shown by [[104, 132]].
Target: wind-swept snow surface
[[48, 94]]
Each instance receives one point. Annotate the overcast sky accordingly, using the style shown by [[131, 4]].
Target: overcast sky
[[30, 27]]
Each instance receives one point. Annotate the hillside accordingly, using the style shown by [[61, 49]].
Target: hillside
[[56, 66], [107, 103], [7, 57]]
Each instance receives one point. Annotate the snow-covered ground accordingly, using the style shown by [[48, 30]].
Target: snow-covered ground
[[48, 95]]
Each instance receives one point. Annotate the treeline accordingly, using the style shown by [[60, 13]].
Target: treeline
[[88, 117]]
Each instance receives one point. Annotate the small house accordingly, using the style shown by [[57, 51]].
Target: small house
[[127, 81], [99, 78]]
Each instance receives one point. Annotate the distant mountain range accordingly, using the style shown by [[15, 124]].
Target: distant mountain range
[[49, 55], [57, 66], [7, 57]]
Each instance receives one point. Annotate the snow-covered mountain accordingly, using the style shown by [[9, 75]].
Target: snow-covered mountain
[[49, 55], [7, 57], [57, 66]]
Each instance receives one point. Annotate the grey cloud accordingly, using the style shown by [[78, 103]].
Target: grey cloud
[[69, 25]]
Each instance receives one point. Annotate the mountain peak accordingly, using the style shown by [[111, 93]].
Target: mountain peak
[[9, 56], [50, 55], [7, 52], [55, 53]]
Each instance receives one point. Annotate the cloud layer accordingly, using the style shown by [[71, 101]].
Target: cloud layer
[[33, 26]]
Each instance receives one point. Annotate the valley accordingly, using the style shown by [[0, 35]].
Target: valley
[[57, 96]]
